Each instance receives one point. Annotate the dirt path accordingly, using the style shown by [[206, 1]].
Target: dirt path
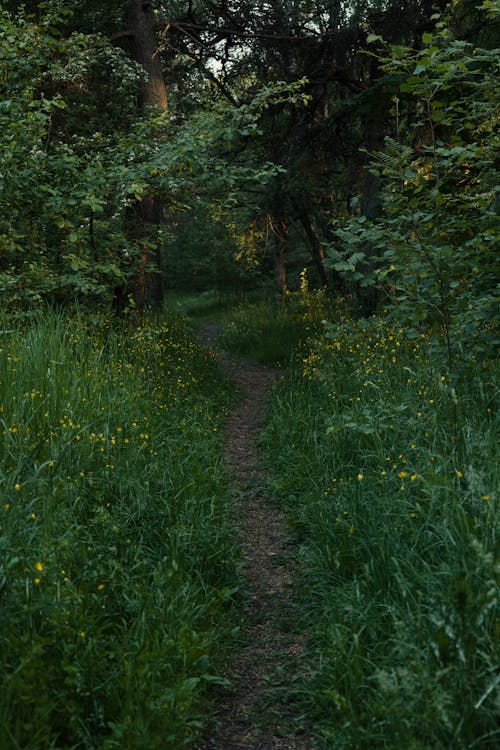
[[248, 717]]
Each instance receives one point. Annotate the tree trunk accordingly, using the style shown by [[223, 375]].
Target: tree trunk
[[317, 252], [280, 231], [280, 267], [149, 210], [143, 47]]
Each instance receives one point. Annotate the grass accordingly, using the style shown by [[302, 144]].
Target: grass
[[209, 305], [387, 466], [256, 326], [118, 562], [262, 332]]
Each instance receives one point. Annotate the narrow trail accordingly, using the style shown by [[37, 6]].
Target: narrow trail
[[248, 716]]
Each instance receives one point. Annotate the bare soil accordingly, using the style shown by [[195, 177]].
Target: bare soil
[[248, 714]]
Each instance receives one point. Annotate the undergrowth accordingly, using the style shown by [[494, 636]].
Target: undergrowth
[[270, 331], [386, 464], [118, 563]]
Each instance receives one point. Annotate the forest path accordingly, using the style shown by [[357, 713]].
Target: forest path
[[248, 715]]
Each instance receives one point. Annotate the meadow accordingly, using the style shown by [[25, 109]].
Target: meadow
[[119, 569], [386, 463], [117, 559]]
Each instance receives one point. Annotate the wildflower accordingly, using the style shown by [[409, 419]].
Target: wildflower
[[37, 581], [459, 474], [100, 587], [360, 477], [486, 498], [39, 566], [402, 474], [17, 487]]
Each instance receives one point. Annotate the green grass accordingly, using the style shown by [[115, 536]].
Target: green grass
[[118, 565], [203, 306], [117, 556], [387, 466], [256, 326], [270, 332]]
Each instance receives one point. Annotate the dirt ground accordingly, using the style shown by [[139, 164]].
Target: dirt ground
[[248, 715]]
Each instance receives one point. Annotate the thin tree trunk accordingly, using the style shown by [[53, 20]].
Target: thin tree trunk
[[149, 210], [280, 231], [280, 267], [317, 252]]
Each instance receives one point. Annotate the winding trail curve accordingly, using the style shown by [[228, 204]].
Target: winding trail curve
[[248, 714]]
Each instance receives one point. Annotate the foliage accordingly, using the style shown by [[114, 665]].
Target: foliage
[[202, 255], [117, 563], [432, 253], [77, 156], [62, 199], [389, 476]]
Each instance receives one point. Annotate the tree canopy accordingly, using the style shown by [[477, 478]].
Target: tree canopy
[[356, 140]]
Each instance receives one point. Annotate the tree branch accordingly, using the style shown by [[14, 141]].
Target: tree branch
[[189, 28], [121, 35]]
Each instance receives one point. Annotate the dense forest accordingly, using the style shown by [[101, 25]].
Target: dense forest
[[318, 180]]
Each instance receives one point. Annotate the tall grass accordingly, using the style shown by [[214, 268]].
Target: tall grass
[[269, 331], [117, 561], [386, 463]]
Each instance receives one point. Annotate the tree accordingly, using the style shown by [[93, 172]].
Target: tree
[[237, 46], [437, 234], [65, 183], [149, 210]]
